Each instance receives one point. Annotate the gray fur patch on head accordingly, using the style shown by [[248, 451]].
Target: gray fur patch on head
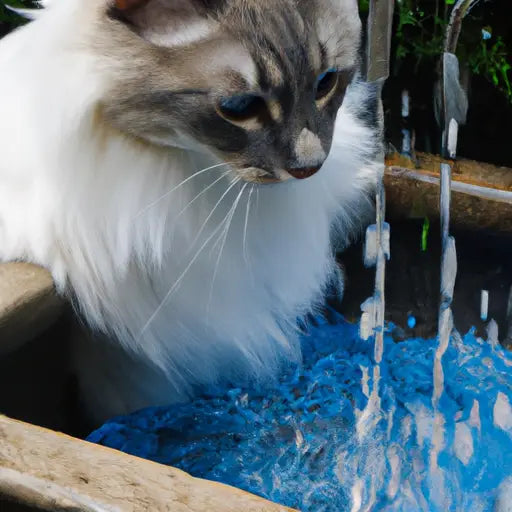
[[338, 27], [172, 62]]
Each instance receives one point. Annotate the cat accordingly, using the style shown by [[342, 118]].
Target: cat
[[185, 169]]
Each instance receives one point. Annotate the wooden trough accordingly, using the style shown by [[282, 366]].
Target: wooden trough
[[43, 470], [481, 193], [54, 472]]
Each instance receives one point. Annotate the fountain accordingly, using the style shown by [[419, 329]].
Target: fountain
[[365, 423]]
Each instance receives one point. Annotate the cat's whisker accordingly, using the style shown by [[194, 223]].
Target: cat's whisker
[[257, 199], [221, 250], [169, 192], [246, 224], [175, 223], [192, 201], [217, 242], [201, 229], [191, 262], [221, 235]]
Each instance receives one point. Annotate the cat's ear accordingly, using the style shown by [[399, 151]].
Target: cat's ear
[[126, 5], [165, 23]]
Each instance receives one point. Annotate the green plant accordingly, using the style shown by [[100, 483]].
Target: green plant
[[493, 61], [364, 6], [419, 37], [424, 233]]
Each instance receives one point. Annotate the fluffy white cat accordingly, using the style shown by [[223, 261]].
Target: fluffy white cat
[[152, 158]]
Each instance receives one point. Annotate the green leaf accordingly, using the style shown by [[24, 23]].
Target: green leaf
[[424, 234]]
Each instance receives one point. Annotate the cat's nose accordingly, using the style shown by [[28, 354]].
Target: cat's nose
[[308, 156], [303, 172]]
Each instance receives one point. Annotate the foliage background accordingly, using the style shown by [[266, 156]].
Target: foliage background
[[485, 56], [484, 47]]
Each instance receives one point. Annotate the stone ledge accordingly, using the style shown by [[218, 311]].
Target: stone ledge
[[28, 304], [55, 472]]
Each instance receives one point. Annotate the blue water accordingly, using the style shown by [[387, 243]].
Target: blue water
[[318, 443]]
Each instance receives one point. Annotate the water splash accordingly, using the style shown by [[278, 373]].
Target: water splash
[[323, 441]]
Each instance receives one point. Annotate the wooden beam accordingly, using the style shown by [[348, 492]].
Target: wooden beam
[[55, 472], [481, 193], [469, 171], [28, 304]]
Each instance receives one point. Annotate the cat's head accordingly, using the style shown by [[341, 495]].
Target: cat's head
[[256, 82]]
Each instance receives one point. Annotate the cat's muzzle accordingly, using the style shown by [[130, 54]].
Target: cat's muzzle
[[258, 175]]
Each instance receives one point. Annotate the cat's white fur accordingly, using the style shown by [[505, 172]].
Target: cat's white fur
[[74, 198]]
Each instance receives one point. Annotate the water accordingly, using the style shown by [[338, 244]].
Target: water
[[328, 438], [365, 424]]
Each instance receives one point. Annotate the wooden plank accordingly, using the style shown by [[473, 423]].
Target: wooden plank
[[467, 171], [56, 472], [28, 303], [481, 193]]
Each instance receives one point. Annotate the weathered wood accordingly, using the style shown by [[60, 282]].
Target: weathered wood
[[469, 171], [28, 304], [481, 193], [56, 472]]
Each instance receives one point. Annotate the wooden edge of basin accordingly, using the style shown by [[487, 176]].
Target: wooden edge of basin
[[53, 471], [468, 171], [29, 303], [481, 193]]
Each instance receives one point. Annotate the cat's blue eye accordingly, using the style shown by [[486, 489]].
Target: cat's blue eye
[[326, 82], [241, 107], [324, 74]]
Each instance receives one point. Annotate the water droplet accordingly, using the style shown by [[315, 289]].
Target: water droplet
[[486, 34]]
